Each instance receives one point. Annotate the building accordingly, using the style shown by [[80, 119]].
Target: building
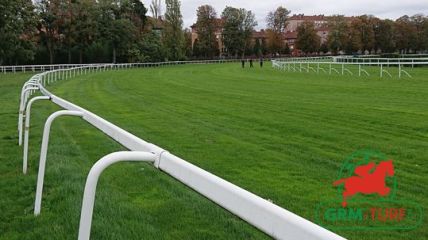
[[320, 22], [218, 34], [154, 24], [290, 36], [295, 21], [257, 35]]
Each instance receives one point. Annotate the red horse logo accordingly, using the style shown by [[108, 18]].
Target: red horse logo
[[369, 180]]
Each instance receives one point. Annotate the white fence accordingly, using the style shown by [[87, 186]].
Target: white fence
[[349, 59], [305, 59], [262, 214], [341, 66], [43, 68]]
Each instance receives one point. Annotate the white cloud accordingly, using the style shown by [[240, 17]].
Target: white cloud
[[382, 8]]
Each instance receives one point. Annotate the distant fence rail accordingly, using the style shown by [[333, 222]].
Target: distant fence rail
[[44, 68], [262, 214], [341, 65], [400, 60]]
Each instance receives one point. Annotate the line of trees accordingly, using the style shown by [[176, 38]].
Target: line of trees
[[363, 34], [277, 23], [236, 26], [82, 31], [367, 34]]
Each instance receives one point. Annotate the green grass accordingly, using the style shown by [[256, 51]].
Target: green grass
[[280, 135]]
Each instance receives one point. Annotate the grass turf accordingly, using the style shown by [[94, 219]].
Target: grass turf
[[280, 135]]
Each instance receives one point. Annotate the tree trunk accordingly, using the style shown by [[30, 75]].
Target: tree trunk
[[51, 57], [114, 54], [69, 56], [80, 56]]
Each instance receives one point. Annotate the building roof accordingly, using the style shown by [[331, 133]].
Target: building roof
[[155, 23], [219, 23], [290, 35], [259, 34], [322, 17], [303, 17]]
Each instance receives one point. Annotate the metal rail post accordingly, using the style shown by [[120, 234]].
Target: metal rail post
[[27, 130], [21, 112], [92, 181], [43, 154]]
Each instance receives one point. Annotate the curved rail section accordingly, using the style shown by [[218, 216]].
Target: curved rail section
[[264, 215], [44, 153], [342, 65], [27, 129], [43, 68]]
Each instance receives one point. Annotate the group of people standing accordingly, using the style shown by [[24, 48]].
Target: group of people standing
[[243, 61]]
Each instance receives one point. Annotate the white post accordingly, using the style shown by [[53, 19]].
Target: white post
[[92, 181], [399, 70], [21, 113], [43, 154], [28, 93], [27, 130]]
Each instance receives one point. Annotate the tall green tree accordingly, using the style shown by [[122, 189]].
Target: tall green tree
[[237, 29], [405, 34], [17, 28], [87, 27], [338, 33], [49, 25], [247, 27], [67, 28], [173, 36], [419, 22], [277, 23], [308, 40], [116, 29], [135, 11], [353, 37], [206, 26], [277, 20], [384, 36], [367, 34], [151, 46]]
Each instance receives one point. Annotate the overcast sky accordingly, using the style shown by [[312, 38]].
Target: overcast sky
[[381, 8]]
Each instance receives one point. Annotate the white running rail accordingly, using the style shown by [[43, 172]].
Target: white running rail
[[273, 220], [340, 65], [43, 68]]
